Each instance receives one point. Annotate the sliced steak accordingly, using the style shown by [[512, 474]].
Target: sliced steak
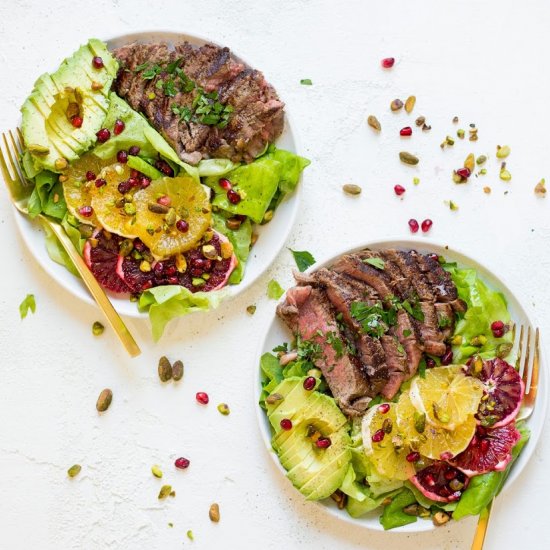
[[257, 118], [307, 314], [405, 334], [445, 319]]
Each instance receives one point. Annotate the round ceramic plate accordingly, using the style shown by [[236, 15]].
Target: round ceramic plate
[[277, 333], [272, 236]]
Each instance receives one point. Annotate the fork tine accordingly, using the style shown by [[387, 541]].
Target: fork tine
[[16, 144], [520, 350], [3, 158], [21, 138], [526, 370], [10, 157], [532, 383], [16, 154]]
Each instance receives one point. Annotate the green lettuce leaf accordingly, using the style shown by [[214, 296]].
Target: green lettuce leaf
[[137, 163], [393, 515], [55, 206], [44, 183], [484, 306], [428, 503], [164, 303], [483, 488], [56, 252], [215, 167], [291, 168], [240, 239], [274, 290]]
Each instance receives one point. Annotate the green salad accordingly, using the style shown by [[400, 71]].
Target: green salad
[[440, 448], [165, 232]]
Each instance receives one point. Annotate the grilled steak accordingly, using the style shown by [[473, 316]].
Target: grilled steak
[[165, 85], [408, 301]]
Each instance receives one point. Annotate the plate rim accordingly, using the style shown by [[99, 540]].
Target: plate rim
[[421, 244], [77, 289]]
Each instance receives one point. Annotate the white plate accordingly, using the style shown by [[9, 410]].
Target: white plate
[[272, 236], [277, 332]]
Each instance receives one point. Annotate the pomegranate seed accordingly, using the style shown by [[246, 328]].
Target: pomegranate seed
[[158, 268], [165, 200], [447, 359], [76, 121], [388, 62], [399, 190], [309, 383], [446, 456], [498, 333], [484, 445], [182, 463], [182, 226], [233, 197], [413, 225], [198, 262], [426, 225], [133, 182], [225, 184], [86, 211], [97, 62], [134, 173], [145, 182], [139, 246], [164, 167], [464, 172], [430, 363], [100, 182], [413, 457], [434, 257], [207, 265], [90, 175], [286, 424], [122, 157], [323, 443], [430, 480], [103, 135], [378, 436], [173, 281], [406, 132], [171, 270], [134, 150], [196, 272], [118, 127], [202, 398], [384, 408], [497, 325]]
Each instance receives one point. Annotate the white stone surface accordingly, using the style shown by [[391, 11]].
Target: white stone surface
[[483, 61]]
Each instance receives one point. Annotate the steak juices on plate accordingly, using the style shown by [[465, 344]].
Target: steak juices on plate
[[395, 391]]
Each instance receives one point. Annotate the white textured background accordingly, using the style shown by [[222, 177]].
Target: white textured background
[[484, 61]]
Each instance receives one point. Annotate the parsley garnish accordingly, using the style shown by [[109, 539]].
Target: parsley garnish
[[443, 322], [306, 82], [307, 349], [280, 347], [422, 368], [336, 343], [303, 259], [205, 109], [375, 320], [378, 263], [414, 309], [407, 333], [151, 72]]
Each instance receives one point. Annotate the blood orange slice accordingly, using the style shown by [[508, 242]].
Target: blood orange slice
[[440, 482]]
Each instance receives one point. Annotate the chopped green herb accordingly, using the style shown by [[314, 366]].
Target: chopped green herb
[[171, 67], [306, 82], [274, 290], [375, 262], [308, 349], [375, 321], [152, 71], [27, 304], [422, 368], [169, 88], [303, 259], [443, 322], [281, 347], [407, 333], [414, 309], [336, 343]]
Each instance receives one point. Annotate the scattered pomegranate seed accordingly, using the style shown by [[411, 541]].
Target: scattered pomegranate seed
[[103, 135], [406, 132], [165, 200], [164, 167], [484, 445], [309, 383], [498, 329], [118, 127], [202, 398], [430, 363], [224, 183], [434, 257], [323, 443], [86, 211], [427, 225], [196, 272], [173, 281], [100, 182], [413, 456], [388, 62], [464, 172], [378, 436], [171, 270], [90, 175], [399, 190], [233, 197], [446, 456], [413, 225], [76, 121], [122, 157], [430, 480], [384, 408], [158, 268], [145, 181], [447, 359], [97, 62], [139, 246], [498, 333], [134, 173], [134, 150], [123, 187], [286, 424], [182, 226], [182, 463], [133, 182]]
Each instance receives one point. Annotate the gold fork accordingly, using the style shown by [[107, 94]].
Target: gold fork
[[20, 190], [528, 368]]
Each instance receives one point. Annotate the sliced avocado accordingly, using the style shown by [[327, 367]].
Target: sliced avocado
[[283, 389], [75, 88], [328, 479], [292, 403], [296, 448]]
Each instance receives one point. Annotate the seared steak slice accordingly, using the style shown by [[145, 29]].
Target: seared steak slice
[[398, 369], [441, 281], [404, 331], [445, 319], [257, 117], [308, 315]]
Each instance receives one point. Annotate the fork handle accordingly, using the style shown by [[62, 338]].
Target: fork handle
[[113, 318], [481, 529]]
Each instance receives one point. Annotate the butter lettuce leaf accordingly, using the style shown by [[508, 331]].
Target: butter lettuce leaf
[[44, 183], [292, 167], [164, 303], [393, 515], [56, 252]]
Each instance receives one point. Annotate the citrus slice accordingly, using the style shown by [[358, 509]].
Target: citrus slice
[[78, 190], [446, 396], [383, 443], [113, 208], [429, 440], [181, 221]]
